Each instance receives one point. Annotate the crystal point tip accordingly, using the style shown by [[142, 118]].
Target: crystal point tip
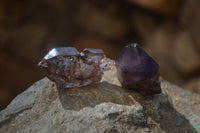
[[136, 69]]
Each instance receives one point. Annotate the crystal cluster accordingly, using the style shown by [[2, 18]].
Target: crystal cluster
[[137, 70], [69, 68]]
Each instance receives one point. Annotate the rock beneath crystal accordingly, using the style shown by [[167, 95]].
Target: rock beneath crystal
[[137, 70], [101, 108], [69, 68]]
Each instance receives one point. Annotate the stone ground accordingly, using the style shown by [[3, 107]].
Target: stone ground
[[104, 107], [167, 29]]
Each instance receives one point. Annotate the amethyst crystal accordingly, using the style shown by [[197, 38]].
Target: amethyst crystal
[[137, 70], [69, 68]]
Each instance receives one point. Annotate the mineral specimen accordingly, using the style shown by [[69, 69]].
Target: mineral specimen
[[69, 68], [137, 70]]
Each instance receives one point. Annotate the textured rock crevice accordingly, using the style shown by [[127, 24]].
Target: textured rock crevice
[[101, 107]]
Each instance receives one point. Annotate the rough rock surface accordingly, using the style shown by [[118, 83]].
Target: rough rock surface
[[102, 107]]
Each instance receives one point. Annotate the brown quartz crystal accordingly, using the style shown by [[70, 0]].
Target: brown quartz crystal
[[69, 68]]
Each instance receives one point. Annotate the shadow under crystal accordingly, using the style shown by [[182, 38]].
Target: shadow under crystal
[[78, 98], [162, 113]]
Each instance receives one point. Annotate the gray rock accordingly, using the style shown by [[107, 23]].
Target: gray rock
[[103, 107], [22, 102]]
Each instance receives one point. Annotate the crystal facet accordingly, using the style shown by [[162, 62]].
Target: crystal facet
[[69, 68], [137, 70], [61, 51]]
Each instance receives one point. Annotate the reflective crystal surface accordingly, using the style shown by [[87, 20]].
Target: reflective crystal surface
[[137, 70], [69, 68], [61, 51]]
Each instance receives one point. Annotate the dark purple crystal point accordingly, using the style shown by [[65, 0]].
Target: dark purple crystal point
[[69, 68], [137, 70]]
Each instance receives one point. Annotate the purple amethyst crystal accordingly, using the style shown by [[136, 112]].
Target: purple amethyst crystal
[[137, 70], [69, 68]]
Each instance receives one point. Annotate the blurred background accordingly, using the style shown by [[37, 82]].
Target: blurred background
[[167, 29]]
